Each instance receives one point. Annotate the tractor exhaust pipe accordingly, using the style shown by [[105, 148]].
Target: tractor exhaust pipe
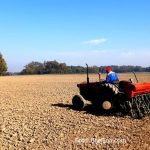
[[87, 71], [135, 77]]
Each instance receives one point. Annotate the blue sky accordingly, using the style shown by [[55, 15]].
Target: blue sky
[[97, 32]]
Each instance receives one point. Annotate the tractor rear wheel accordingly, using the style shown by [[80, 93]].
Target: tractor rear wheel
[[108, 97], [107, 101], [78, 102]]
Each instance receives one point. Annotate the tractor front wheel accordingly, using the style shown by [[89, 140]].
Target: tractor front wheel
[[78, 102]]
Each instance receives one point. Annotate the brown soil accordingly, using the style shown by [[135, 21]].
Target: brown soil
[[35, 113]]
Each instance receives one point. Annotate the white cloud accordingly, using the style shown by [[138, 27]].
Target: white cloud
[[128, 54], [95, 42]]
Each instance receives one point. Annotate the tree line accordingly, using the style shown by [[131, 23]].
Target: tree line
[[54, 67]]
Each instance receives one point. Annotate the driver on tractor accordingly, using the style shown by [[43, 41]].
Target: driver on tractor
[[111, 76]]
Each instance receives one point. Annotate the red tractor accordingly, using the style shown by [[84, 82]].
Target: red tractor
[[124, 97]]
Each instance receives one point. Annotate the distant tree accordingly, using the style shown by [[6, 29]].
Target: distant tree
[[63, 68], [3, 65], [55, 67], [51, 66], [147, 69], [33, 68], [76, 69]]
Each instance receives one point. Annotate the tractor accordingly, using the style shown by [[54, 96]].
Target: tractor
[[124, 97]]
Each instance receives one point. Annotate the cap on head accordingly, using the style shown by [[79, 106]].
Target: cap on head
[[107, 69]]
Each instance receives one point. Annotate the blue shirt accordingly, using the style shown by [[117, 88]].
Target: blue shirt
[[111, 76]]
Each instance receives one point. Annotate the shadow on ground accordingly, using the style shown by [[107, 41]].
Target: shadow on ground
[[89, 109]]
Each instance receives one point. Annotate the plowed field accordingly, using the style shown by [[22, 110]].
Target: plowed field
[[35, 113]]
